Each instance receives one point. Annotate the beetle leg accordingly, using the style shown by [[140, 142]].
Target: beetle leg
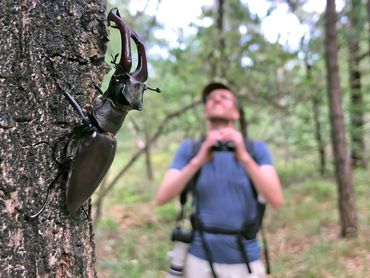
[[78, 108], [141, 71], [114, 60], [96, 86], [98, 89], [125, 62], [66, 165], [86, 214], [54, 148]]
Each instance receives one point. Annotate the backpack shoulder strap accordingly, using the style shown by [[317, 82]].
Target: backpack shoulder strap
[[261, 207], [249, 145], [196, 144]]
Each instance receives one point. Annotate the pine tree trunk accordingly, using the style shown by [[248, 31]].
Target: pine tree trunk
[[222, 64], [41, 42], [368, 25], [148, 158], [316, 122], [358, 153], [346, 202], [317, 131]]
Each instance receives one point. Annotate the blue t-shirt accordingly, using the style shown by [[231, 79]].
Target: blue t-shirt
[[225, 200]]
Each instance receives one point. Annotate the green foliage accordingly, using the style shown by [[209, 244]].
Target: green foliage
[[304, 233]]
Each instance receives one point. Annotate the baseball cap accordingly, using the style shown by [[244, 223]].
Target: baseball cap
[[211, 87]]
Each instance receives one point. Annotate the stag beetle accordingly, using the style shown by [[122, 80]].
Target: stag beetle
[[91, 158]]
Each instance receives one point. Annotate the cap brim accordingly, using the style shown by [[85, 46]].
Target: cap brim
[[211, 87]]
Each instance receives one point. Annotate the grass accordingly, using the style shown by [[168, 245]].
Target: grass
[[132, 238]]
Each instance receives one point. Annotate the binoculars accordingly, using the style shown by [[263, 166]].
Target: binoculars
[[223, 146]]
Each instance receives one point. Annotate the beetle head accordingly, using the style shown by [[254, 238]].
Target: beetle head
[[126, 88], [126, 92]]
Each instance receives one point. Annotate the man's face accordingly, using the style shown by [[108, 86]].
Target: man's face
[[221, 104]]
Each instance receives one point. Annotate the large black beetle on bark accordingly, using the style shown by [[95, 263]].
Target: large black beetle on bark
[[92, 156]]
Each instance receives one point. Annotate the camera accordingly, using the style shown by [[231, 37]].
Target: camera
[[177, 255], [223, 146], [182, 235]]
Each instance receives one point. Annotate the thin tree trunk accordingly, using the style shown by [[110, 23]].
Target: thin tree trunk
[[317, 130], [358, 153], [316, 122], [148, 158], [221, 65], [368, 26], [346, 202], [33, 117], [243, 122]]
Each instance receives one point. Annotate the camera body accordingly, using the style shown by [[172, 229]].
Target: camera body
[[177, 255], [182, 235], [223, 146]]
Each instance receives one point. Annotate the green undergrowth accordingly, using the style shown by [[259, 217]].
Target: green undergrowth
[[133, 237]]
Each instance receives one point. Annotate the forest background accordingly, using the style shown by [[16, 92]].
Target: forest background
[[281, 80], [300, 69]]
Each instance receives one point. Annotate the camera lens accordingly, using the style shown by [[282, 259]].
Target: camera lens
[[177, 257], [175, 271]]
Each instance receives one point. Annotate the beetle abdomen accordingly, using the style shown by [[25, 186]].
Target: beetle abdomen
[[92, 160]]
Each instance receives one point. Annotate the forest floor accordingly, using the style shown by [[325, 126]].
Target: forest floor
[[132, 239]]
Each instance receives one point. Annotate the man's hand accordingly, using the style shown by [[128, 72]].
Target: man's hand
[[205, 153], [222, 135], [233, 135]]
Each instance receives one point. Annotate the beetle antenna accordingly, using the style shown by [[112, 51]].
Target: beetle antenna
[[151, 89]]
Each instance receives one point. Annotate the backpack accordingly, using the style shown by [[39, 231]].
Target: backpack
[[248, 231]]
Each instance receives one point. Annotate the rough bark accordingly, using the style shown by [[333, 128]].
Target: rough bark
[[343, 170], [33, 117]]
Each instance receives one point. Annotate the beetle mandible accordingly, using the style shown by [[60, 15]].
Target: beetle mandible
[[96, 145]]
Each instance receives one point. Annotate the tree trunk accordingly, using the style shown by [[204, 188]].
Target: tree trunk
[[343, 170], [243, 124], [41, 42], [358, 153], [148, 158], [368, 24], [316, 122], [221, 38], [217, 61], [317, 131]]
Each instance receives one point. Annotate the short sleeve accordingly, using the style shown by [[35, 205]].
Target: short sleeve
[[183, 155], [262, 153]]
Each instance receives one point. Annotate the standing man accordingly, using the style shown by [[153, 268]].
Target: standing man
[[224, 192]]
